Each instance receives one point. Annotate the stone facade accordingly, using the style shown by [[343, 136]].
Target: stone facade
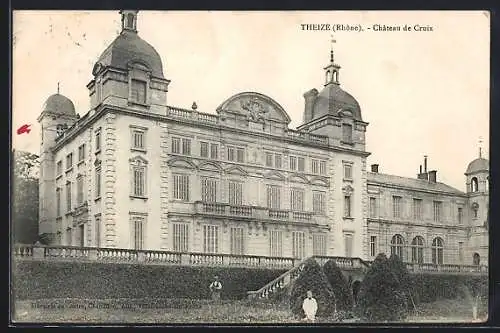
[[235, 181]]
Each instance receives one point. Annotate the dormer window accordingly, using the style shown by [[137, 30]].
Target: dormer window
[[474, 185], [346, 133], [138, 91]]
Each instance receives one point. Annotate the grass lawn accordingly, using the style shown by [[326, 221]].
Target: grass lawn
[[178, 311]]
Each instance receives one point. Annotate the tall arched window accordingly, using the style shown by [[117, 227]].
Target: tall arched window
[[437, 251], [328, 76], [476, 259], [475, 209], [130, 21], [397, 245], [417, 250], [474, 185]]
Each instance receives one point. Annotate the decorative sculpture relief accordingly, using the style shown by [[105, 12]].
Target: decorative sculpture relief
[[255, 108]]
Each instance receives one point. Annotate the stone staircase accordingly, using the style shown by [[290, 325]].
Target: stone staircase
[[281, 283]]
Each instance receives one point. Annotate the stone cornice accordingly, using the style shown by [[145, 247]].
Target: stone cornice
[[417, 224], [103, 109], [409, 188]]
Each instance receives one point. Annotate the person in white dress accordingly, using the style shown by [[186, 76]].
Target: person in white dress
[[310, 306]]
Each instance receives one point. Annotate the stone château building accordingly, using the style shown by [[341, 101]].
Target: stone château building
[[134, 172]]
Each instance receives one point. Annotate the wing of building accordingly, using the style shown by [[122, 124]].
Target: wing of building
[[134, 172]]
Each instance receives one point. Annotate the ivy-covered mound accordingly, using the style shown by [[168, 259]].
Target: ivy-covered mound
[[403, 276], [339, 285], [380, 297], [312, 278]]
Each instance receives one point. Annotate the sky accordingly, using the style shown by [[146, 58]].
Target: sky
[[422, 92]]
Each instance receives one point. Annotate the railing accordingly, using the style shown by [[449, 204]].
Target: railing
[[342, 262], [445, 268], [307, 136], [261, 213]]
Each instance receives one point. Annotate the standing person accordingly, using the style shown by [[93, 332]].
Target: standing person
[[310, 306], [215, 288]]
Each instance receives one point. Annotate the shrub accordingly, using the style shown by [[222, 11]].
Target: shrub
[[380, 298], [339, 285], [312, 278]]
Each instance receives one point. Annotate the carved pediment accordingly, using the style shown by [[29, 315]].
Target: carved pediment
[[297, 178], [180, 162], [210, 166], [274, 175], [254, 107], [138, 160], [348, 189], [318, 180], [236, 170]]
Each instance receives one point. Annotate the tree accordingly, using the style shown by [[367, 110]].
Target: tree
[[339, 284], [475, 292], [380, 297], [312, 278], [403, 276], [24, 196]]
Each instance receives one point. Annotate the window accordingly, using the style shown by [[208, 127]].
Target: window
[[319, 202], [237, 241], [373, 246], [417, 209], [476, 259], [461, 252], [397, 245], [69, 161], [322, 167], [138, 138], [347, 171], [176, 146], [130, 21], [138, 226], [347, 206], [373, 207], [437, 211], [58, 202], [297, 199], [235, 193], [474, 185], [319, 245], [81, 235], [181, 187], [314, 166], [269, 159], [186, 146], [275, 243], [214, 151], [348, 245], [210, 238], [138, 91], [475, 209], [396, 207], [98, 182], [98, 140], [460, 215], [230, 154], [240, 153], [437, 251], [417, 250], [81, 153], [59, 168], [68, 197], [208, 189], [180, 237], [79, 190], [273, 196], [346, 133], [293, 163], [139, 181], [97, 227], [69, 237], [277, 161], [204, 149], [301, 163], [298, 244]]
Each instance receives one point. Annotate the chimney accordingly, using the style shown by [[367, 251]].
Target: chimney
[[375, 168], [420, 172], [432, 176], [425, 163], [310, 98]]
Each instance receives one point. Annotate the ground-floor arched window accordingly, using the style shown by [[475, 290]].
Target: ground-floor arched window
[[437, 251], [397, 246], [417, 250], [476, 259]]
